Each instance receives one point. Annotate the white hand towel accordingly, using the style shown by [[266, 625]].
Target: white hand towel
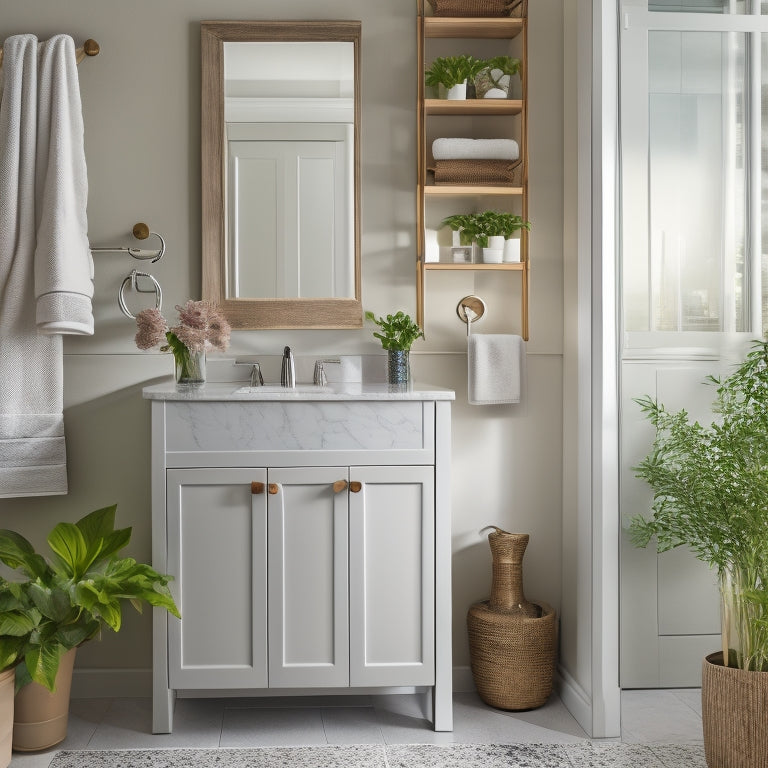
[[494, 366], [475, 149], [63, 262], [42, 257]]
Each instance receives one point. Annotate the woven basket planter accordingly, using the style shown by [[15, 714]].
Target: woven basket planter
[[475, 8], [512, 641], [480, 172], [734, 711]]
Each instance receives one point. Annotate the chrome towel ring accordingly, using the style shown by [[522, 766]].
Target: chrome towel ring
[[133, 279]]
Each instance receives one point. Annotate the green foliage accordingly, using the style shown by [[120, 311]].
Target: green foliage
[[710, 486], [481, 226], [506, 64], [66, 601], [399, 331], [452, 70]]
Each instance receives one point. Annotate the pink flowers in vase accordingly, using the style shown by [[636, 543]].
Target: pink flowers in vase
[[201, 328]]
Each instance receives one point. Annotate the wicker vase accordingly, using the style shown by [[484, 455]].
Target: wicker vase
[[734, 714], [512, 641]]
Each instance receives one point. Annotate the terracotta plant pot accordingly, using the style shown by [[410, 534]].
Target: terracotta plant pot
[[734, 713], [40, 718], [7, 680]]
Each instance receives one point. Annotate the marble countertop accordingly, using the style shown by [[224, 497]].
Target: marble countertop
[[212, 391]]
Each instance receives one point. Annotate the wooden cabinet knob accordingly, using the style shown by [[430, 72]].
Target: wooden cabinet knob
[[355, 486], [339, 486], [257, 488], [273, 488]]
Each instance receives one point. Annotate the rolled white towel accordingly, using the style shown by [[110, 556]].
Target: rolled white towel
[[475, 149]]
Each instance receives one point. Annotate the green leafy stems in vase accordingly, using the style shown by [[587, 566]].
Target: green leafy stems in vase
[[399, 332], [201, 328]]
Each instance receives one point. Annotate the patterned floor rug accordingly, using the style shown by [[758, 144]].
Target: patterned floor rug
[[581, 755]]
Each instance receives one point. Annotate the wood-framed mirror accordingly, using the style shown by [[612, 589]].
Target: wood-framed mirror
[[281, 172]]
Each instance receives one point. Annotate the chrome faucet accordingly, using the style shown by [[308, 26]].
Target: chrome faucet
[[288, 369]]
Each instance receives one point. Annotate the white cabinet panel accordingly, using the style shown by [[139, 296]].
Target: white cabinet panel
[[392, 576], [217, 554], [308, 577]]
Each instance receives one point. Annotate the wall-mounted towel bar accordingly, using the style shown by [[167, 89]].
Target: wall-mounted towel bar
[[470, 309], [140, 232], [133, 281], [90, 48]]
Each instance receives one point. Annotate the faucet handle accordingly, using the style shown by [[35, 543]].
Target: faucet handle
[[257, 380], [319, 378]]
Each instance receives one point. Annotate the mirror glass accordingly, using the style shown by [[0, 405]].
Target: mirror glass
[[281, 143]]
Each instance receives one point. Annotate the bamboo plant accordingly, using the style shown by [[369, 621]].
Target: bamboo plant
[[710, 487]]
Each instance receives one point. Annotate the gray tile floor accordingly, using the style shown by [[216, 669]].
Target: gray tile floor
[[658, 716]]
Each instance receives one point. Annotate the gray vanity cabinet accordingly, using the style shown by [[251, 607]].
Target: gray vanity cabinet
[[296, 577], [309, 544]]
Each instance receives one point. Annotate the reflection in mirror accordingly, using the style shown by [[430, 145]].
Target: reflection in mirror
[[281, 173]]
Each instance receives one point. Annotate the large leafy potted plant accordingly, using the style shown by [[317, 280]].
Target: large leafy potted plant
[[710, 486], [398, 332], [60, 603]]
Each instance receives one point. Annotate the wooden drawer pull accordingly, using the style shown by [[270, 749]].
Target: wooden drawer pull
[[339, 486], [273, 488], [257, 488], [355, 486]]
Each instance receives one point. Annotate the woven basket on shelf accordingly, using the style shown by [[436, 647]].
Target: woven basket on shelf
[[734, 714], [476, 8], [478, 172], [512, 641]]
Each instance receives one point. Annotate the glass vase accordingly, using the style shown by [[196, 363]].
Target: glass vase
[[398, 366], [189, 369]]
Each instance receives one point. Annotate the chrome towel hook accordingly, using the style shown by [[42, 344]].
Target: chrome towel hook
[[141, 232], [133, 279], [470, 309]]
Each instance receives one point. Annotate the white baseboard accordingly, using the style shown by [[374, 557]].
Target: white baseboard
[[137, 683], [575, 699], [111, 683]]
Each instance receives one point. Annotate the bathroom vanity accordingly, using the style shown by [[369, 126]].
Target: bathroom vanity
[[308, 534]]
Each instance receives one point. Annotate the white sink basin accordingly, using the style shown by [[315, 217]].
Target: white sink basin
[[286, 390]]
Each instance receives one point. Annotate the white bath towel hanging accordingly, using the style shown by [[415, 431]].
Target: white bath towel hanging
[[494, 368], [45, 264]]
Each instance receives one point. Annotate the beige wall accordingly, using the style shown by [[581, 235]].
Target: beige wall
[[142, 115]]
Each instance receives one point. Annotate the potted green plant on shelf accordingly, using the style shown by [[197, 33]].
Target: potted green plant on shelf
[[449, 74], [710, 489], [494, 232], [398, 332], [494, 79], [60, 603]]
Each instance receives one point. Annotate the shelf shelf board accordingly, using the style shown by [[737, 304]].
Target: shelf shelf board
[[473, 107], [490, 27], [515, 267], [453, 190]]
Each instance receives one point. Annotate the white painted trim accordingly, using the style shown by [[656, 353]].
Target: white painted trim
[[606, 694], [575, 699]]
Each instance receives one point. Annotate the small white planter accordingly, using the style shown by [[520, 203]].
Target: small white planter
[[496, 242], [492, 255], [457, 93], [512, 250]]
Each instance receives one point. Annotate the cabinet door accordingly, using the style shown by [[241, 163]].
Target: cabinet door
[[392, 576], [217, 556], [308, 580]]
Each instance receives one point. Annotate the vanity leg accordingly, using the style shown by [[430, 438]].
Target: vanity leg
[[163, 697]]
